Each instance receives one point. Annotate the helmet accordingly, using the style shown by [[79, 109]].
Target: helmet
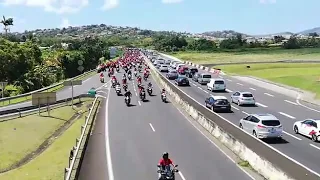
[[165, 155], [163, 89]]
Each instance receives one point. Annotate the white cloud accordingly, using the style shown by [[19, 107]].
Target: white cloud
[[65, 23], [171, 1], [268, 1], [56, 6], [110, 4]]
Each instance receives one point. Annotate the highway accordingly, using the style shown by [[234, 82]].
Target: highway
[[283, 107], [64, 93], [127, 142]]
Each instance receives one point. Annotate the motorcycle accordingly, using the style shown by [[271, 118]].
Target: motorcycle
[[145, 78], [135, 74], [113, 83], [129, 77], [143, 95], [109, 74], [102, 79], [164, 97], [118, 90], [167, 174], [125, 87], [149, 91], [127, 100]]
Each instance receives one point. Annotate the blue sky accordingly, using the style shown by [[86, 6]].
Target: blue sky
[[247, 16]]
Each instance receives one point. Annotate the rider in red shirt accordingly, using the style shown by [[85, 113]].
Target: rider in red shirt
[[101, 75], [139, 80], [165, 161]]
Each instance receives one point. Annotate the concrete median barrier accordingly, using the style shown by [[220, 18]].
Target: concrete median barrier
[[266, 160]]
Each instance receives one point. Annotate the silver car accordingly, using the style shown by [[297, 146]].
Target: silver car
[[262, 126], [243, 98]]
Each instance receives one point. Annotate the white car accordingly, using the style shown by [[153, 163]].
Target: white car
[[262, 126], [164, 68], [243, 98], [309, 128]]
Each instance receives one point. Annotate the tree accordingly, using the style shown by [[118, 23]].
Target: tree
[[7, 23]]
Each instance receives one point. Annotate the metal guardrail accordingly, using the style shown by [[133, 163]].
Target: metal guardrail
[[43, 89], [75, 150], [286, 164], [27, 109]]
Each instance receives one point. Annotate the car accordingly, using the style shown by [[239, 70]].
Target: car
[[179, 65], [191, 71], [218, 103], [171, 75], [163, 68], [168, 61], [182, 70], [262, 126], [182, 80], [204, 78], [243, 98], [216, 84], [173, 64], [309, 128], [195, 77], [92, 92]]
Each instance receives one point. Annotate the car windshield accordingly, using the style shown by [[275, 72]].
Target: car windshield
[[206, 76], [222, 101], [270, 122], [218, 82], [247, 95], [194, 70]]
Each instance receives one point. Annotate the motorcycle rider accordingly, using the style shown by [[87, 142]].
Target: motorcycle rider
[[127, 93], [141, 88], [124, 79], [139, 79], [149, 85], [101, 75], [165, 162]]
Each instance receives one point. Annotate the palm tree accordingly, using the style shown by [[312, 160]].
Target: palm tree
[[6, 23]]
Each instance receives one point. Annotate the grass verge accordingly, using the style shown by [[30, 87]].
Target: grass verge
[[54, 89], [24, 138], [249, 56], [304, 76]]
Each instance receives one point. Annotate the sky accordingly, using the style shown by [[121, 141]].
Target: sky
[[254, 17]]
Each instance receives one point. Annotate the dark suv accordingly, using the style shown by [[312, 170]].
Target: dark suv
[[218, 103]]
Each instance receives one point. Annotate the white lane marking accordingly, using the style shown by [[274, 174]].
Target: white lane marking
[[187, 118], [291, 102], [235, 108], [108, 152], [240, 84], [245, 113], [181, 175], [139, 103], [86, 80], [136, 93], [206, 91], [315, 146], [298, 102], [229, 80], [194, 84], [152, 127], [236, 126], [262, 105], [287, 115], [252, 89], [269, 94], [291, 135], [199, 88], [228, 90]]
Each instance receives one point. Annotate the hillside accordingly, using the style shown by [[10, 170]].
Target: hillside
[[313, 30]]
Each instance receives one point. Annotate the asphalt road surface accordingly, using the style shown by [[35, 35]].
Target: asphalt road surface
[[127, 142], [64, 93], [298, 147]]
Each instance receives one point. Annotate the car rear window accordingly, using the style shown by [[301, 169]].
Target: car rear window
[[164, 66], [222, 101], [206, 76], [270, 122], [219, 82], [247, 95], [194, 70]]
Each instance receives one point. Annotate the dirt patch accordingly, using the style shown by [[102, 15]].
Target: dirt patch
[[46, 143]]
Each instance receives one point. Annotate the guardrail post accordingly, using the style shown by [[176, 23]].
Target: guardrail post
[[77, 141], [66, 170], [19, 112], [82, 128]]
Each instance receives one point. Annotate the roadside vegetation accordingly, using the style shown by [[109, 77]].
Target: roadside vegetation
[[305, 76], [24, 138]]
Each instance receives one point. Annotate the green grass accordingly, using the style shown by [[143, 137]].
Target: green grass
[[21, 136], [304, 76], [54, 89], [252, 55]]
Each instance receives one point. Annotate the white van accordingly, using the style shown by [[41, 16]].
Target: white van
[[216, 85], [204, 78]]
